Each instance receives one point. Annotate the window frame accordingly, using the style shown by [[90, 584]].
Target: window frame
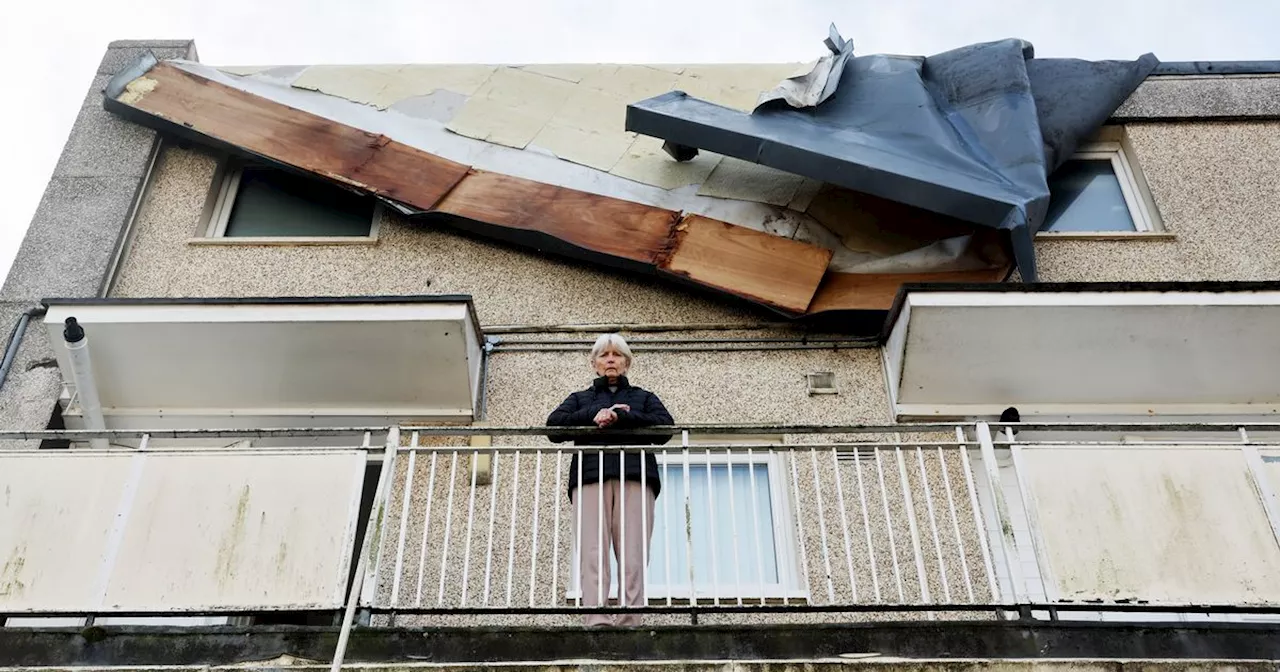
[[791, 584], [221, 200], [1113, 146]]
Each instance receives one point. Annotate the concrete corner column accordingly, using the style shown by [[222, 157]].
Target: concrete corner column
[[71, 242]]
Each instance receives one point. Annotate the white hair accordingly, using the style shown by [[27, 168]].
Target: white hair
[[610, 342]]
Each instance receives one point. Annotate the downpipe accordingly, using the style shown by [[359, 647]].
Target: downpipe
[[15, 340]]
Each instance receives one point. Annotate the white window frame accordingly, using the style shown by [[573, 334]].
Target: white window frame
[[221, 201], [1114, 147], [791, 585]]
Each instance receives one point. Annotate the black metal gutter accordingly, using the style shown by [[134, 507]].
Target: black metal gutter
[[1217, 68], [252, 300]]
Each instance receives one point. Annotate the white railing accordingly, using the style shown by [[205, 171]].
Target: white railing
[[782, 519], [740, 525]]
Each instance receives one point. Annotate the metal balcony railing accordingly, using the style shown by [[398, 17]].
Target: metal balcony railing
[[942, 520]]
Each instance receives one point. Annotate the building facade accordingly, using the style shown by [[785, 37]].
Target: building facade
[[304, 398]]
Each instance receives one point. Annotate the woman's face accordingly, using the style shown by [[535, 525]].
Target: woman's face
[[611, 364]]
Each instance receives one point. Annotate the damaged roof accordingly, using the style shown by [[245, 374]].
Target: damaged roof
[[539, 156], [971, 133]]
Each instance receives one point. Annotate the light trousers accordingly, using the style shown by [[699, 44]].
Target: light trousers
[[619, 515]]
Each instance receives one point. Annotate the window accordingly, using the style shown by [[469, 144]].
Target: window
[[748, 552], [256, 202], [1100, 191]]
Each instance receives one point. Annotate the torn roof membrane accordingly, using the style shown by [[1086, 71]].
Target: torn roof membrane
[[771, 237], [971, 134]]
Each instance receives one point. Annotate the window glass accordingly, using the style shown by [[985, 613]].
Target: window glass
[[1085, 195], [272, 202], [741, 526]]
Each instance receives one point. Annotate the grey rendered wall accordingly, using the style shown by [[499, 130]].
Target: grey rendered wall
[[72, 238]]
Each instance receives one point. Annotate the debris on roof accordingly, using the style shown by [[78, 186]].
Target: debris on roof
[[776, 272], [538, 156], [971, 133], [815, 85]]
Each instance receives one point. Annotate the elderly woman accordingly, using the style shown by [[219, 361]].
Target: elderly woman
[[609, 490]]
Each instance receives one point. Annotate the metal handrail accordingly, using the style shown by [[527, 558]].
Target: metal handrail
[[703, 428]]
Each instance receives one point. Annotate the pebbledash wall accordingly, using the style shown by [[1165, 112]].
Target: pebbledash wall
[[1207, 145], [1214, 183]]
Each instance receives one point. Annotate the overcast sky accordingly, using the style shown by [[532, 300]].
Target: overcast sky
[[53, 48]]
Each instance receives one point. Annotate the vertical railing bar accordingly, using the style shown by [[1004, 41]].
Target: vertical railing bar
[[357, 584], [578, 550], [389, 455], [995, 486], [711, 514], [471, 515], [955, 523], [804, 547], [448, 528], [602, 537], [784, 568], [733, 522], [921, 575], [622, 524], [644, 526], [1038, 547], [822, 525], [537, 501], [426, 523], [979, 526], [406, 498], [755, 526], [555, 548], [844, 522], [933, 525], [866, 525], [666, 527], [888, 519], [511, 540], [1258, 476], [688, 517], [493, 510]]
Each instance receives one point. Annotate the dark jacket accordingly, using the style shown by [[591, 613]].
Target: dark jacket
[[580, 409]]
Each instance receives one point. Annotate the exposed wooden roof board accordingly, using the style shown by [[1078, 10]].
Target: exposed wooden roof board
[[610, 226], [876, 291], [769, 269], [372, 162]]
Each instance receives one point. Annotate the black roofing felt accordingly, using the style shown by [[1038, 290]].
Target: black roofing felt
[[971, 133]]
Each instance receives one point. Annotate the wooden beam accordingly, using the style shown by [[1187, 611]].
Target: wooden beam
[[365, 160], [764, 268], [610, 226], [876, 291]]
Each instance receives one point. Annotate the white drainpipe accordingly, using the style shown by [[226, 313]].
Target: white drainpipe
[[82, 375]]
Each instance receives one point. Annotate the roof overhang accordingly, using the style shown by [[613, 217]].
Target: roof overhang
[[1076, 350], [226, 363]]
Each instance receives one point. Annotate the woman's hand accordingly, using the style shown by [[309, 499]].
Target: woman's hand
[[605, 417]]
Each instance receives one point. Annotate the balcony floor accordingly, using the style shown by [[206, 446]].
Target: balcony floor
[[839, 645]]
